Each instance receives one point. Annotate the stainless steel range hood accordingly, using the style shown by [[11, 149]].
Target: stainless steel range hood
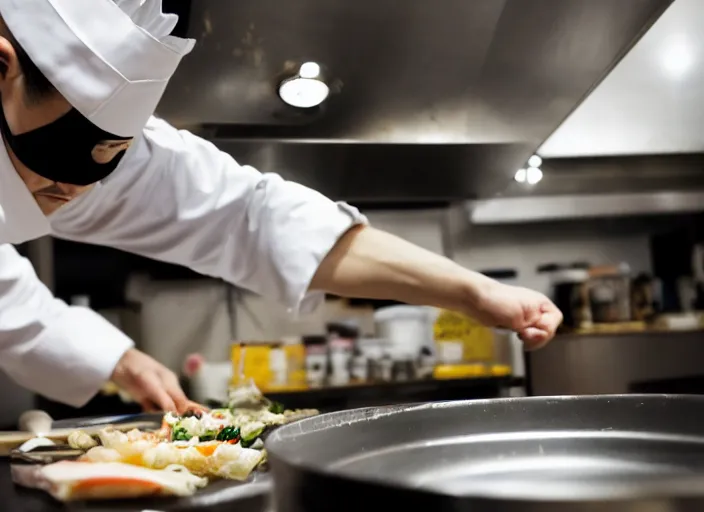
[[432, 100]]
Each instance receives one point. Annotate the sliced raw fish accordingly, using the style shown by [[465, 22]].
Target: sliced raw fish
[[71, 481]]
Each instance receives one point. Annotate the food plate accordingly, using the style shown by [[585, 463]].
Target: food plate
[[200, 459], [219, 496]]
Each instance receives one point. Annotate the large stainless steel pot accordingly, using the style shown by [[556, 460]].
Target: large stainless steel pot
[[608, 453]]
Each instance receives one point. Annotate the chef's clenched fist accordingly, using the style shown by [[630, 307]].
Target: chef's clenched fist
[[151, 384], [529, 313]]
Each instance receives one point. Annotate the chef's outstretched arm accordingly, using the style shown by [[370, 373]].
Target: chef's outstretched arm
[[177, 198], [367, 262], [68, 353]]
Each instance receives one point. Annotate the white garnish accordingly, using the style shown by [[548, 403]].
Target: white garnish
[[171, 419]]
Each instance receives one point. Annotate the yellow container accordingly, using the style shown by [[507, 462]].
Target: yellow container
[[251, 361], [477, 340], [296, 357]]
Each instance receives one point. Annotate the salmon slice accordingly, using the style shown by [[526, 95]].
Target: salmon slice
[[71, 481]]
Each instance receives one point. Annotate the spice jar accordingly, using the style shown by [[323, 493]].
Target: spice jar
[[610, 293]]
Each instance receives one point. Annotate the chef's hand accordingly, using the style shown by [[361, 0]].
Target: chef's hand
[[151, 384], [529, 313]]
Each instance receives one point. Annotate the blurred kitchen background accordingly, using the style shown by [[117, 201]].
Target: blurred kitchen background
[[542, 142]]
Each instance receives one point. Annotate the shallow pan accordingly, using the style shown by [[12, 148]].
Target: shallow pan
[[590, 453]]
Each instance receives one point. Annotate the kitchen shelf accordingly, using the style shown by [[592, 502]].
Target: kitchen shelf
[[367, 395]]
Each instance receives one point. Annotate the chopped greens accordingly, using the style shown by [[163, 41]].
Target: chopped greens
[[244, 420], [276, 408], [180, 434], [250, 433], [210, 435], [247, 444], [228, 434]]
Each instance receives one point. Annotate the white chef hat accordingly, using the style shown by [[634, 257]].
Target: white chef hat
[[111, 59]]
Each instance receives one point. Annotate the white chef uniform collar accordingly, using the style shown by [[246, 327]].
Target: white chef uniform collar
[[111, 59]]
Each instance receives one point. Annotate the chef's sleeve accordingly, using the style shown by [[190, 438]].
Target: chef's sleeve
[[177, 198], [64, 353]]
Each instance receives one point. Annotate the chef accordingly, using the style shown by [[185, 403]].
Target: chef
[[84, 159]]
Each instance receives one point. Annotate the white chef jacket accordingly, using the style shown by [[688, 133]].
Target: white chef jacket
[[177, 198]]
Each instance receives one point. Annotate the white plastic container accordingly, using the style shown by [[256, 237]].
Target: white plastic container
[[408, 328]]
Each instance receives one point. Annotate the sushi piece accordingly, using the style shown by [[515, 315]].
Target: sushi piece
[[81, 441], [217, 459], [72, 481]]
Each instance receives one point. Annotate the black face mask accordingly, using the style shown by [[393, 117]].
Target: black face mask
[[70, 150]]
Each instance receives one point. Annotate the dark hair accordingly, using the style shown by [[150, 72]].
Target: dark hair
[[37, 86]]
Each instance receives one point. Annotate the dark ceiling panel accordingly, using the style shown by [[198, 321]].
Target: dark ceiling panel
[[383, 172], [623, 174], [481, 82]]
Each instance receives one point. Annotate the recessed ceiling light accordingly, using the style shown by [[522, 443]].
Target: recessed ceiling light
[[310, 70], [530, 176], [306, 89], [533, 175], [535, 161]]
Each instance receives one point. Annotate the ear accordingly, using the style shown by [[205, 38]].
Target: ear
[[9, 65]]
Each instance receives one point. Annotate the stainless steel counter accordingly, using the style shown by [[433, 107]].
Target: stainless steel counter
[[610, 363]]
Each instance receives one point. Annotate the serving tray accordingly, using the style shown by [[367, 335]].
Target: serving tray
[[219, 496]]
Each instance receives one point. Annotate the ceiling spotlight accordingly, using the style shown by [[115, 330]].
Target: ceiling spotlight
[[535, 161], [521, 176], [306, 89], [310, 70], [533, 175]]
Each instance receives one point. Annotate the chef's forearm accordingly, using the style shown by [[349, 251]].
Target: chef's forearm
[[370, 263]]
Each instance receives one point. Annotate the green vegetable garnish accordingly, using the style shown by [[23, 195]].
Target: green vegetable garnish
[[228, 434], [276, 408], [211, 435], [180, 434], [246, 443], [248, 440]]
